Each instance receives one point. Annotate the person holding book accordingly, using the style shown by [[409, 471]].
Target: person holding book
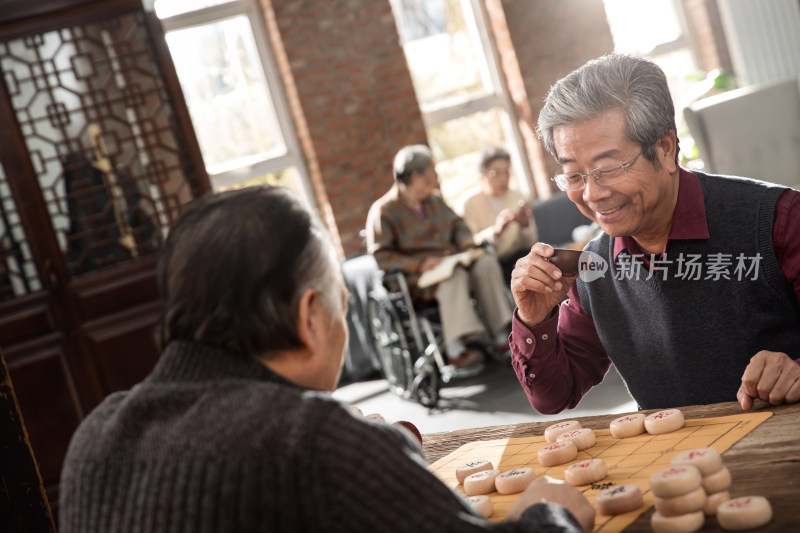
[[411, 230], [497, 214]]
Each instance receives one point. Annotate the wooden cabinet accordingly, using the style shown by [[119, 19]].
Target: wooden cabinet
[[97, 158]]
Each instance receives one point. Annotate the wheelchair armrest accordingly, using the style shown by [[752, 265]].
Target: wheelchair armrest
[[391, 280]]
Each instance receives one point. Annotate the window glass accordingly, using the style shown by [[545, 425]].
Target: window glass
[[169, 8], [448, 51], [638, 27], [653, 29], [225, 88], [288, 177], [456, 146], [442, 55]]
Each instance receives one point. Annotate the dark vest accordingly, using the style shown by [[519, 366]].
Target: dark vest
[[685, 335]]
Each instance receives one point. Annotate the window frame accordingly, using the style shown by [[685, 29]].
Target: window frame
[[293, 156], [499, 96]]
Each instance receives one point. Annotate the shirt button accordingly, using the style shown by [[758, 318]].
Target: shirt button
[[529, 340], [545, 336], [531, 375]]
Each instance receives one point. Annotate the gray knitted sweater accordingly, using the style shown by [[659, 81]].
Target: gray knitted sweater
[[211, 441]]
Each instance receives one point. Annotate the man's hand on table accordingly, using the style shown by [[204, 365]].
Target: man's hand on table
[[548, 490], [771, 376], [537, 285]]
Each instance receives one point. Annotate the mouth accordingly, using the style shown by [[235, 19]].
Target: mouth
[[609, 214], [609, 211]]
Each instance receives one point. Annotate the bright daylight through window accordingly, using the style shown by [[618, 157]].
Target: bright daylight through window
[[656, 29], [455, 77], [224, 65]]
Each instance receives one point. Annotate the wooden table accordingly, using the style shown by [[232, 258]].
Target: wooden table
[[766, 462]]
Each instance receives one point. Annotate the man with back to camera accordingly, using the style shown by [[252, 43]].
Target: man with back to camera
[[235, 429], [410, 229], [693, 286]]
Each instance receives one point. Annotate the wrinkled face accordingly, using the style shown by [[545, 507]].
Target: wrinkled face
[[424, 184], [639, 205], [497, 176]]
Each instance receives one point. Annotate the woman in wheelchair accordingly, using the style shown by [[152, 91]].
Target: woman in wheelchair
[[411, 230]]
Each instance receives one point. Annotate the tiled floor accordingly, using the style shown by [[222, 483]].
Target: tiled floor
[[491, 398]]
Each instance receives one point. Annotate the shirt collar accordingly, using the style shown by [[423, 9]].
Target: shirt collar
[[688, 219]]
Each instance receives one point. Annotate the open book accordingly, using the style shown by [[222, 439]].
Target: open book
[[444, 270]]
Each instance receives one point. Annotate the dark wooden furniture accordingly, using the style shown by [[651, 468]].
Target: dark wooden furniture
[[765, 462], [23, 503], [97, 158]]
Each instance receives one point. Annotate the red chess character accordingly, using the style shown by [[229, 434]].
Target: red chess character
[[739, 503]]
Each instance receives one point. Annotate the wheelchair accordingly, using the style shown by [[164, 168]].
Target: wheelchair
[[409, 341]]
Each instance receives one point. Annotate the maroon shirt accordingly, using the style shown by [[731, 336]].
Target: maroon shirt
[[560, 359]]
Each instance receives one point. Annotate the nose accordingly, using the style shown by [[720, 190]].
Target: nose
[[592, 192]]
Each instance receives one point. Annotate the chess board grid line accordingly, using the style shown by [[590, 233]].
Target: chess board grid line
[[720, 433]]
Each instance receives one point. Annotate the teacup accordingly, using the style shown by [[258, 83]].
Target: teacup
[[566, 260]]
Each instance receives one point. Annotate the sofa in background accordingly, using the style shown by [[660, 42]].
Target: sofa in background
[[753, 132]]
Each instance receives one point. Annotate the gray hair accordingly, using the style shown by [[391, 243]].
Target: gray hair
[[490, 154], [636, 86], [410, 159], [235, 265]]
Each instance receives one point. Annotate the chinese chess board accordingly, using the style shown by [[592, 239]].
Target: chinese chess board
[[631, 460]]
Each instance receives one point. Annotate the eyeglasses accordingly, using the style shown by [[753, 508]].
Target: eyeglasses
[[609, 175], [498, 174]]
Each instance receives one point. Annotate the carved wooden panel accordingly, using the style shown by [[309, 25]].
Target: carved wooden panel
[[97, 160], [18, 274], [92, 108], [23, 503]]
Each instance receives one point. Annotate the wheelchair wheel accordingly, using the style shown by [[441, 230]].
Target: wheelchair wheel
[[426, 386], [391, 344]]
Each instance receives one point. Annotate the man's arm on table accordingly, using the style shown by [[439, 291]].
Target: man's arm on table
[[775, 376], [387, 483], [560, 359]]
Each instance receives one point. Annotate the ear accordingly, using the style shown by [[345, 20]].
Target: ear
[[308, 320], [667, 148]]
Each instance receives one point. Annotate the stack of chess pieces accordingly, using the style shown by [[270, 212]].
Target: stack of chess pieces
[[695, 485]]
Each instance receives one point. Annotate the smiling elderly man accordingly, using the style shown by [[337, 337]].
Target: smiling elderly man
[[696, 280]]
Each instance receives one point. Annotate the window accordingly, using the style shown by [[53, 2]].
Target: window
[[657, 30], [224, 63], [458, 86]]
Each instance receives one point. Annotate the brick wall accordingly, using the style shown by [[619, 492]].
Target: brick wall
[[512, 76], [351, 97], [552, 39], [353, 102], [708, 36]]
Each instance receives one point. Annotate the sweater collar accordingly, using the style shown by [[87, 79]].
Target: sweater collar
[[196, 361], [688, 218]]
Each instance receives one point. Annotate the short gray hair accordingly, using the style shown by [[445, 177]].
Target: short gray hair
[[410, 159], [636, 86], [235, 265]]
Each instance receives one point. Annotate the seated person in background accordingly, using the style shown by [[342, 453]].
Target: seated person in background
[[410, 229], [498, 215], [695, 292], [235, 430]]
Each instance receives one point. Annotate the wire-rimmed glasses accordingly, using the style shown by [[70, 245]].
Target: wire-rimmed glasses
[[607, 175]]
